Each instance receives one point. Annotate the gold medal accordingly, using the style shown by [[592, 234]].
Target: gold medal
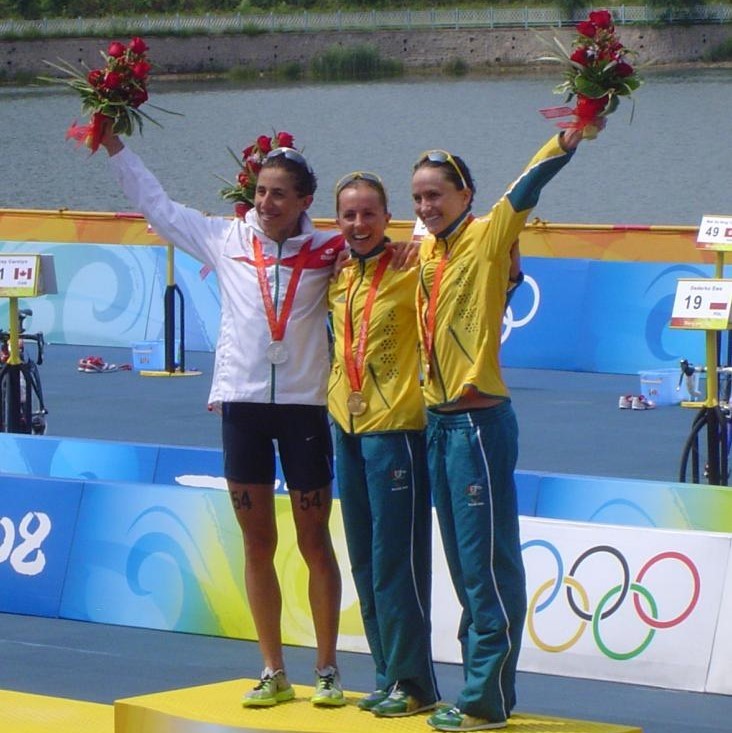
[[356, 403]]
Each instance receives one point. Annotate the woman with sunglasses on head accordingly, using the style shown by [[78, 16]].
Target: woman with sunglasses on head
[[270, 383], [472, 435], [375, 399]]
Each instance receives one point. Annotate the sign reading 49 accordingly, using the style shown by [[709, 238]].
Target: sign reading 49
[[20, 546]]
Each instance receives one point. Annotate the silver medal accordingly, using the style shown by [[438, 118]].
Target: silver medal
[[277, 352]]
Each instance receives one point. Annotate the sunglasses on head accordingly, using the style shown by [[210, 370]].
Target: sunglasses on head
[[290, 154], [358, 176], [442, 156]]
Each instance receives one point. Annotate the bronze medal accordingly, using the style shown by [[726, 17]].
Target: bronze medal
[[356, 403]]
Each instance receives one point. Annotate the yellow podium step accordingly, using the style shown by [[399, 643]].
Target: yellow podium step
[[24, 713], [216, 709]]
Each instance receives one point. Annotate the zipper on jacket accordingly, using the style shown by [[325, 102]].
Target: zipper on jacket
[[275, 301]]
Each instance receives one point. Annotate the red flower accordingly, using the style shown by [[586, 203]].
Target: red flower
[[247, 152], [601, 19], [137, 46], [624, 69], [580, 55], [116, 49], [586, 28], [243, 179], [138, 97], [95, 77], [254, 166], [285, 140], [112, 80], [140, 70], [264, 144]]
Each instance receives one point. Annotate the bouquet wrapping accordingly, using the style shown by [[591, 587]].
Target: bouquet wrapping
[[250, 162], [597, 73]]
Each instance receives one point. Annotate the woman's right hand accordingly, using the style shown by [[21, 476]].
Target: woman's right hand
[[111, 142]]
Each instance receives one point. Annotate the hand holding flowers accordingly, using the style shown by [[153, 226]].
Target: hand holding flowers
[[250, 163], [597, 74], [114, 92]]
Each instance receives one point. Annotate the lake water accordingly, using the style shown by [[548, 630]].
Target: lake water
[[671, 165]]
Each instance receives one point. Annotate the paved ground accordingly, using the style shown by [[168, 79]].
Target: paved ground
[[570, 423]]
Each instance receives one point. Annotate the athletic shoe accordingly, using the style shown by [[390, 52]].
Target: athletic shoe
[[272, 688], [328, 691], [453, 719], [625, 401], [367, 702], [399, 704], [641, 403]]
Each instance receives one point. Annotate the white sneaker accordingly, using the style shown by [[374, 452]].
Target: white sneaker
[[328, 690], [641, 403], [625, 401]]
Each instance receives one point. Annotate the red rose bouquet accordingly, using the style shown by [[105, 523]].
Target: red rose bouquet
[[250, 163], [115, 92], [597, 74]]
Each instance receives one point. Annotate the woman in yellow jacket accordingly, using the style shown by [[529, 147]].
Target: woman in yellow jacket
[[375, 400], [472, 434]]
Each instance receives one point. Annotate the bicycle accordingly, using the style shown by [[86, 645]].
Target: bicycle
[[22, 408], [717, 419]]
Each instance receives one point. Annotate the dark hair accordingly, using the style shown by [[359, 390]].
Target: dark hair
[[295, 164], [462, 179]]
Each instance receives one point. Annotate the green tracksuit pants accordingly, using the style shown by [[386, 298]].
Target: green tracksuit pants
[[385, 503], [471, 458]]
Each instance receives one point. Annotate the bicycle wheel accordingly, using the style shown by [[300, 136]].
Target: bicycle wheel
[[37, 421], [12, 398], [4, 399]]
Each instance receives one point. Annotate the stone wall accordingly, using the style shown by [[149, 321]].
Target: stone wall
[[418, 49]]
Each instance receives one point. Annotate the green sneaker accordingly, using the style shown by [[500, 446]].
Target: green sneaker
[[328, 691], [453, 720], [399, 704], [272, 688], [367, 702]]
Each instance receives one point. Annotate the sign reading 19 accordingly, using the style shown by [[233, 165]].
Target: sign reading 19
[[693, 303]]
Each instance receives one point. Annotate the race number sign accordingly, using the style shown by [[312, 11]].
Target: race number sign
[[19, 275], [702, 304], [715, 232]]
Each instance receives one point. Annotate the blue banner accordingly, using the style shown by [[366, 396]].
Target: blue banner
[[37, 524]]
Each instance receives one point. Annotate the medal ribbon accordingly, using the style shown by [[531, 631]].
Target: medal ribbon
[[429, 321], [277, 325], [354, 365]]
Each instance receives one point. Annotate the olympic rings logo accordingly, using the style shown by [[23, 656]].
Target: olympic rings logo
[[510, 321], [644, 603]]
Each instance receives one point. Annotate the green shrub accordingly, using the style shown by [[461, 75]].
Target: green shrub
[[720, 52], [241, 73], [290, 71], [358, 63], [456, 67]]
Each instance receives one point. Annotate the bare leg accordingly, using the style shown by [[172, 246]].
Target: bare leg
[[311, 512], [254, 509]]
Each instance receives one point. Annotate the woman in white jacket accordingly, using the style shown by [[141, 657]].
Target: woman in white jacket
[[270, 378]]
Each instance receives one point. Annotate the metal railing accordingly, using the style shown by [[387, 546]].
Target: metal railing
[[490, 17]]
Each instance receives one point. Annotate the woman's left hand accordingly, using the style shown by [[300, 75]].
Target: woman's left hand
[[405, 255]]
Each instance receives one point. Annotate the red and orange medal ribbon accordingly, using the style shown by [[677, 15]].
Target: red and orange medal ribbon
[[276, 351], [356, 403], [429, 320]]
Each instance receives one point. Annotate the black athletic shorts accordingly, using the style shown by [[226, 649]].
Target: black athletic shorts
[[303, 437]]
